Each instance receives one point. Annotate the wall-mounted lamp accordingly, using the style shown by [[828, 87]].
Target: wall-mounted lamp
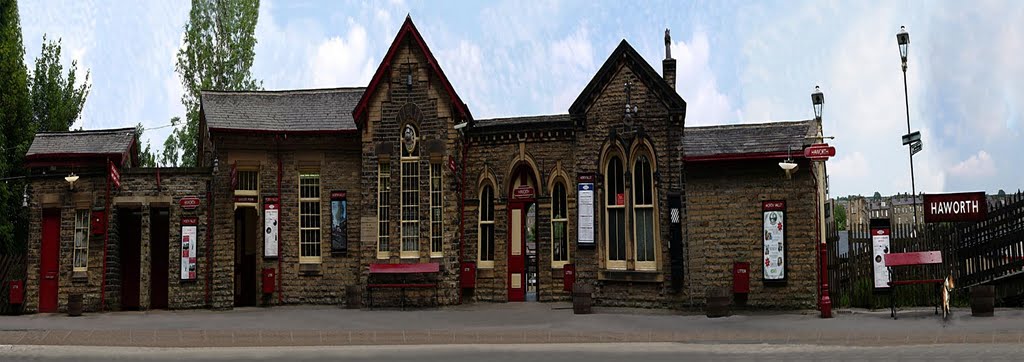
[[24, 197], [216, 165], [71, 180], [789, 165]]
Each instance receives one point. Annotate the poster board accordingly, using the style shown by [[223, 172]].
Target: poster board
[[271, 219], [880, 237], [189, 237], [339, 221], [773, 236], [585, 207]]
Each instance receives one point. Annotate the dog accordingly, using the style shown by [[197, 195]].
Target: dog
[[947, 290]]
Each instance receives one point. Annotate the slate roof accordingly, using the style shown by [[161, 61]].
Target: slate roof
[[300, 110], [534, 122], [747, 141], [116, 142]]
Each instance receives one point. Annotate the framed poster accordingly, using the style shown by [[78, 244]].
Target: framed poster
[[189, 229], [585, 216], [880, 234], [339, 222], [773, 235], [271, 218]]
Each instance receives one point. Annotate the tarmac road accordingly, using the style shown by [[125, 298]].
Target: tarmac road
[[590, 352]]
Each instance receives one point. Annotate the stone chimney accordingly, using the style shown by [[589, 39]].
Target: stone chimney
[[668, 66]]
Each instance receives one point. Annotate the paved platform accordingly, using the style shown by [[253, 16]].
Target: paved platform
[[501, 324]]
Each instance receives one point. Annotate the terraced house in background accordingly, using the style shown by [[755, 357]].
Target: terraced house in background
[[301, 193]]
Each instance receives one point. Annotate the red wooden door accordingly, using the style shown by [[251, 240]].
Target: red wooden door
[[516, 252], [48, 261]]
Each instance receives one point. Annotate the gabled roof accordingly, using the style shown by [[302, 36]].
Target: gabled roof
[[295, 111], [116, 144], [408, 29], [646, 74], [748, 141]]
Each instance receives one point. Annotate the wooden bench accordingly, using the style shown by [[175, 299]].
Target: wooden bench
[[909, 259], [403, 271]]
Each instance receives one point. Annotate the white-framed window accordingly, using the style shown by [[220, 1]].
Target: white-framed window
[[645, 237], [81, 257], [436, 212], [383, 209], [410, 194], [309, 217], [615, 213], [485, 228], [248, 183], [559, 226]]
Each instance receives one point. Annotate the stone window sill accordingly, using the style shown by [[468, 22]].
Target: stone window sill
[[309, 270], [633, 276], [80, 276], [485, 273]]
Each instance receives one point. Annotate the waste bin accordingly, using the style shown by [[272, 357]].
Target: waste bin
[[983, 300], [74, 305], [717, 302], [582, 298]]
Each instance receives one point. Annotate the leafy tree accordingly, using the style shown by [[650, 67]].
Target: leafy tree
[[56, 101], [15, 129], [840, 216], [877, 195], [169, 156], [146, 156], [217, 53]]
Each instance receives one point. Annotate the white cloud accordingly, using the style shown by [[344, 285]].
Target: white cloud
[[979, 165], [696, 83], [342, 62]]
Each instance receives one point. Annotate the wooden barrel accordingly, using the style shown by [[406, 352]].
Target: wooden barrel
[[582, 298], [983, 300], [717, 303], [75, 305]]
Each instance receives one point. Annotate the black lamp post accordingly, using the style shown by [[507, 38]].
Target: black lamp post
[[903, 39], [824, 303]]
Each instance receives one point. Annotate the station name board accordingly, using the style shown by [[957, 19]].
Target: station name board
[[964, 206]]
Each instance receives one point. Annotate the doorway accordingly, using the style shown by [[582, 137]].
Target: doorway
[[49, 253], [246, 253], [129, 230], [522, 241], [159, 235]]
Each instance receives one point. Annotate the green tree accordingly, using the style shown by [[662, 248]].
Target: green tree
[[56, 101], [16, 129], [169, 156], [146, 156], [217, 53], [840, 216]]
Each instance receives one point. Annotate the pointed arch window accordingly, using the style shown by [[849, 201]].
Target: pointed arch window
[[485, 228], [559, 226], [615, 213], [410, 192], [644, 234]]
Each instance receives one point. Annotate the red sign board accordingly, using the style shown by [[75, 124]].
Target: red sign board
[[451, 163], [234, 175], [819, 152], [773, 206], [964, 206], [585, 178], [190, 220], [115, 176], [620, 199], [245, 199], [523, 192], [189, 202], [271, 199], [338, 195]]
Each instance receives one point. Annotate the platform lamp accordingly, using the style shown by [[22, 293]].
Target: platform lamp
[[824, 303], [71, 178]]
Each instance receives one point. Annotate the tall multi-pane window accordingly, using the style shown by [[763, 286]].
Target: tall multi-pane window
[[436, 208], [615, 211], [383, 208], [309, 217], [643, 214], [410, 194], [559, 227], [81, 258], [485, 227]]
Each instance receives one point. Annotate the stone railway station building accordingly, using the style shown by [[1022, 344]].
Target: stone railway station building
[[317, 185]]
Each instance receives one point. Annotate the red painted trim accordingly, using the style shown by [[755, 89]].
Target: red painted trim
[[408, 28], [741, 156], [273, 132], [404, 268]]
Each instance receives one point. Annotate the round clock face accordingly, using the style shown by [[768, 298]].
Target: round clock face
[[409, 138]]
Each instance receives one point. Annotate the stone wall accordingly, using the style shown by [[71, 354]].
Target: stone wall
[[725, 226]]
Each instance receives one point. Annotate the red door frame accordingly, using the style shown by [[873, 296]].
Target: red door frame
[[49, 261], [517, 264]]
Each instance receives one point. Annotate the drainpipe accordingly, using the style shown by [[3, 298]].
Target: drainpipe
[[280, 202], [106, 239], [209, 238]]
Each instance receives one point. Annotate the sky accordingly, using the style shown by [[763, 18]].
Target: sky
[[737, 62]]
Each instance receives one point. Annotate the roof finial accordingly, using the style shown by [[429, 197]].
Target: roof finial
[[668, 45]]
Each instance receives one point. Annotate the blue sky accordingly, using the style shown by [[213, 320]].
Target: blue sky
[[738, 62]]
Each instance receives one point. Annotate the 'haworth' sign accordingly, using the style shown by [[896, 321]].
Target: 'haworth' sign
[[964, 206]]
